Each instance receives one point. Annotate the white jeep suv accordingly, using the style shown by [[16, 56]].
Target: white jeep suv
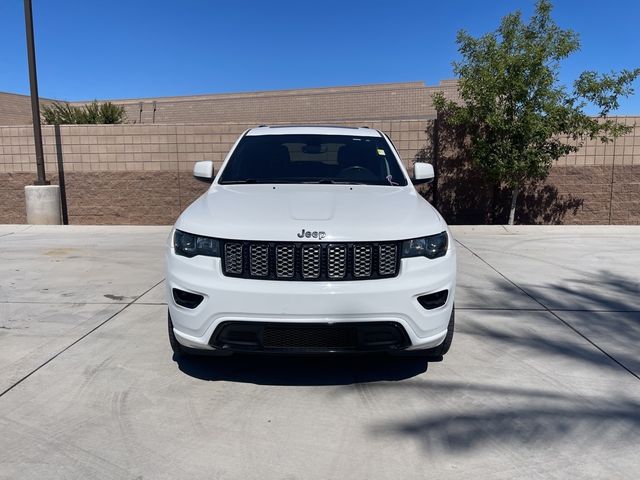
[[311, 240]]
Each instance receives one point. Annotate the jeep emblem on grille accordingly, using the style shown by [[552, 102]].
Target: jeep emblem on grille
[[307, 234]]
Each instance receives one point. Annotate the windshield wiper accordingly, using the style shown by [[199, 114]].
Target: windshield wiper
[[328, 181], [255, 181], [323, 181], [234, 182]]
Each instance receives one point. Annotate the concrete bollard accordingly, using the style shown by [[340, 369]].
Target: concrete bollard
[[43, 204]]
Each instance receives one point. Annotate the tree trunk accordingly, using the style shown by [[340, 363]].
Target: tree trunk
[[514, 198]]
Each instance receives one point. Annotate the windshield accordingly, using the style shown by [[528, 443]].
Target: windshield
[[339, 159]]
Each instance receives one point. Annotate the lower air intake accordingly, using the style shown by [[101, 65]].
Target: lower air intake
[[309, 338]]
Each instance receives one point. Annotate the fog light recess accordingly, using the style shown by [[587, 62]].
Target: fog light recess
[[187, 299], [434, 300]]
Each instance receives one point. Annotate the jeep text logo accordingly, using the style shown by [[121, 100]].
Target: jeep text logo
[[305, 233]]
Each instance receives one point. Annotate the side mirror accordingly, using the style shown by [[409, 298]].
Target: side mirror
[[203, 171], [422, 173]]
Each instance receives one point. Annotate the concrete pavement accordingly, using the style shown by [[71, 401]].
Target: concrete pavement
[[542, 380]]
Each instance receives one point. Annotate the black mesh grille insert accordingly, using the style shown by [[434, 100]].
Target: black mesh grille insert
[[312, 337], [310, 261], [282, 337]]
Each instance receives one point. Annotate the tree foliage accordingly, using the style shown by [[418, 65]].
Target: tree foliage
[[516, 112], [59, 113]]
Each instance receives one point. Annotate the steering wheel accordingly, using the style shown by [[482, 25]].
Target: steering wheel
[[358, 170]]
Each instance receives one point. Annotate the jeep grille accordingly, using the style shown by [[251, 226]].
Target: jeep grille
[[308, 261]]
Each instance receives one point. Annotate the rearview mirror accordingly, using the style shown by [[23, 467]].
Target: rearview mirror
[[422, 173], [203, 171]]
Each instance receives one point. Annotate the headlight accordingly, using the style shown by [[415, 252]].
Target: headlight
[[189, 245], [431, 247]]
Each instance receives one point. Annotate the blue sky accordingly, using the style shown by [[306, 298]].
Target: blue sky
[[142, 48]]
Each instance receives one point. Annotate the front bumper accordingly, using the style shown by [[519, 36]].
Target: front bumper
[[230, 300], [282, 337]]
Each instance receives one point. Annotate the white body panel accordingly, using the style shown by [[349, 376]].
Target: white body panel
[[203, 169], [279, 212], [392, 299], [313, 130], [344, 212]]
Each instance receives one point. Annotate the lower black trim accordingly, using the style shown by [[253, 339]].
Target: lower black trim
[[433, 300], [186, 299], [281, 337]]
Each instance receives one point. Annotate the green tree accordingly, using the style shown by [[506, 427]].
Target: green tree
[[514, 109], [59, 113]]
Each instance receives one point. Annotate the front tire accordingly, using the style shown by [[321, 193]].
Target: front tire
[[448, 340], [178, 350]]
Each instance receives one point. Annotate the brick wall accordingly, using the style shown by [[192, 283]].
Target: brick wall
[[599, 184], [15, 109], [141, 174], [392, 101], [133, 174]]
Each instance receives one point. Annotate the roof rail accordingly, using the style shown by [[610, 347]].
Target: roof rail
[[309, 125]]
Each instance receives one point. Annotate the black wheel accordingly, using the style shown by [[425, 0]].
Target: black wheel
[[178, 349], [446, 345]]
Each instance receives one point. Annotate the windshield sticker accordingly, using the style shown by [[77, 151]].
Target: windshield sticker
[[381, 152]]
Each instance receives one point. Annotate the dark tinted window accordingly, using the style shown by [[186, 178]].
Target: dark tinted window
[[313, 159]]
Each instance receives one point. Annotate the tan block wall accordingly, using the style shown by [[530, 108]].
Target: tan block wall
[[141, 174], [15, 109], [134, 173], [393, 101], [622, 151], [99, 148], [106, 198], [599, 184]]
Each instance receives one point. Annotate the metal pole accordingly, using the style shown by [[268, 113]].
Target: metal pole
[[61, 181], [35, 101]]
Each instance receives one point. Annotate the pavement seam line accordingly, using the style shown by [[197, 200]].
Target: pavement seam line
[[541, 309], [9, 302], [16, 232], [547, 309], [11, 387]]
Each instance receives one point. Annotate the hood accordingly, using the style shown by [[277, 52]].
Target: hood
[[339, 213]]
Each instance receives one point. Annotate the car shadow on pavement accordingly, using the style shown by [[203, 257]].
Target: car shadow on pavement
[[302, 370]]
